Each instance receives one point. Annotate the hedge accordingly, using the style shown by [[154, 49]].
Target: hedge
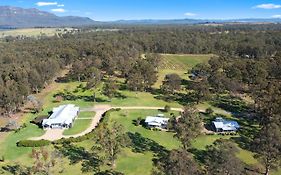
[[33, 143]]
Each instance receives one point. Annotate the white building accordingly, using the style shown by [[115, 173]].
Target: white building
[[222, 125], [62, 117], [157, 122]]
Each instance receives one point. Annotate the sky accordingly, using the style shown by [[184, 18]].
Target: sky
[[109, 10]]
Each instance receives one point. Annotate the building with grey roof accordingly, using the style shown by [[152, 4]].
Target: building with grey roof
[[222, 125], [62, 117], [157, 122]]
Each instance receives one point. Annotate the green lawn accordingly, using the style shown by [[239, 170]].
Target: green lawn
[[8, 147], [81, 123], [131, 163], [79, 126], [86, 115], [126, 117], [202, 141]]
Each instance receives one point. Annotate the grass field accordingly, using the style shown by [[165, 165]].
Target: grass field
[[34, 32], [179, 64], [131, 163]]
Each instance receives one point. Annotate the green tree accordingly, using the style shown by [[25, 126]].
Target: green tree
[[220, 159], [267, 145], [181, 162], [110, 88], [189, 125], [201, 90], [171, 83], [111, 139]]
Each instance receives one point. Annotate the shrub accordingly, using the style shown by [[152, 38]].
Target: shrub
[[138, 121], [167, 108], [38, 120], [2, 159], [58, 99], [33, 143], [209, 111]]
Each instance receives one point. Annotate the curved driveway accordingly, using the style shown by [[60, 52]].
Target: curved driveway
[[56, 134]]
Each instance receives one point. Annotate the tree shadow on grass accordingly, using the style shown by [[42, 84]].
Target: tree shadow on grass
[[199, 155], [72, 97], [231, 104], [109, 172], [181, 98], [141, 144], [90, 161]]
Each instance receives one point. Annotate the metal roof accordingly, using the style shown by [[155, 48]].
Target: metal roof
[[226, 125], [64, 114], [156, 121]]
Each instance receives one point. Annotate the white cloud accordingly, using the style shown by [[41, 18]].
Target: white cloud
[[60, 5], [190, 14], [59, 10], [40, 4], [268, 6], [276, 16]]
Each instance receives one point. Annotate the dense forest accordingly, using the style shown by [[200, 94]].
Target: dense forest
[[27, 65]]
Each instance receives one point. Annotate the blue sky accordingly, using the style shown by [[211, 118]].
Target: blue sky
[[107, 10]]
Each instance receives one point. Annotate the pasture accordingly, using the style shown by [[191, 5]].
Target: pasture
[[34, 32]]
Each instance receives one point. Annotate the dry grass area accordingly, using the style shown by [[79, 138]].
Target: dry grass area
[[34, 32]]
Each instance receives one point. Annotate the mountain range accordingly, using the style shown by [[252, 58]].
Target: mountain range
[[16, 17]]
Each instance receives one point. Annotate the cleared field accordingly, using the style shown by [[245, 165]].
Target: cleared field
[[182, 62], [179, 64], [34, 32]]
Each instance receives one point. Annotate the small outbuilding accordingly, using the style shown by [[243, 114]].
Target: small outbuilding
[[222, 125], [157, 122], [62, 117]]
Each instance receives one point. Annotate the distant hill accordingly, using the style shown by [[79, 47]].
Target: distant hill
[[16, 17]]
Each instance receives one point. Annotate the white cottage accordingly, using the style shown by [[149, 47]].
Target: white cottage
[[62, 117], [157, 122]]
